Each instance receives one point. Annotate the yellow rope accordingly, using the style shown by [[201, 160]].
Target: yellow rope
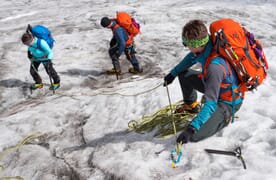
[[170, 103], [161, 119], [16, 147], [107, 93], [178, 145], [21, 143], [11, 177]]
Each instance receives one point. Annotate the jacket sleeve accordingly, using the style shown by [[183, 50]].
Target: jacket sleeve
[[215, 75], [121, 40], [187, 62]]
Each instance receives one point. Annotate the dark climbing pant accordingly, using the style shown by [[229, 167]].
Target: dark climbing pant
[[129, 52], [48, 65]]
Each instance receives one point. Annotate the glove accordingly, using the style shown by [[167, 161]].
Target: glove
[[168, 79], [185, 136], [30, 56]]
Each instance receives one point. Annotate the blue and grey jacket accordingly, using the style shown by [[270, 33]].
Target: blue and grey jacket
[[217, 73], [121, 37], [42, 53]]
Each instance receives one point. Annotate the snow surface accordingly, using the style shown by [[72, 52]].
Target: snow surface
[[84, 125]]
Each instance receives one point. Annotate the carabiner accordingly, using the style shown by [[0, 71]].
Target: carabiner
[[175, 157]]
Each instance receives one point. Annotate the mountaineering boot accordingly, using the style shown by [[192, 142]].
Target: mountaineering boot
[[192, 108], [135, 71], [114, 71], [55, 86], [36, 86]]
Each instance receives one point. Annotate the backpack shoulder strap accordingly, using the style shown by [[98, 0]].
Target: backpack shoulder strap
[[39, 44], [208, 61], [116, 26]]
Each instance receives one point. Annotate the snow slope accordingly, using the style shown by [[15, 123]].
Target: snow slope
[[81, 131]]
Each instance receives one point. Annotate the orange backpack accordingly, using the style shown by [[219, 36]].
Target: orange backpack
[[129, 24], [239, 47]]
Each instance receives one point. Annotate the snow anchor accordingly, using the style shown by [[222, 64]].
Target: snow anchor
[[237, 153]]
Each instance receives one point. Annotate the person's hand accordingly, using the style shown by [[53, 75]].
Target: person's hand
[[185, 136], [168, 79]]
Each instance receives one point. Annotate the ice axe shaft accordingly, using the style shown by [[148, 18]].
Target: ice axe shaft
[[213, 151], [237, 153]]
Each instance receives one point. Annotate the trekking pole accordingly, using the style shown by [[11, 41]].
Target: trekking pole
[[176, 153], [237, 153], [51, 81], [29, 29], [117, 76], [36, 73]]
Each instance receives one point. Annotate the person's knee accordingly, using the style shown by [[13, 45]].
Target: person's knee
[[182, 77], [183, 73], [201, 134], [196, 138]]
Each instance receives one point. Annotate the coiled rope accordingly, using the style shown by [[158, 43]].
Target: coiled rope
[[161, 121]]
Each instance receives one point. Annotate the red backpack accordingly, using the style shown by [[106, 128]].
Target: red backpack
[[129, 24], [239, 47]]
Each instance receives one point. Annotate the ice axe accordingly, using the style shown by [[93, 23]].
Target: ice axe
[[237, 153]]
